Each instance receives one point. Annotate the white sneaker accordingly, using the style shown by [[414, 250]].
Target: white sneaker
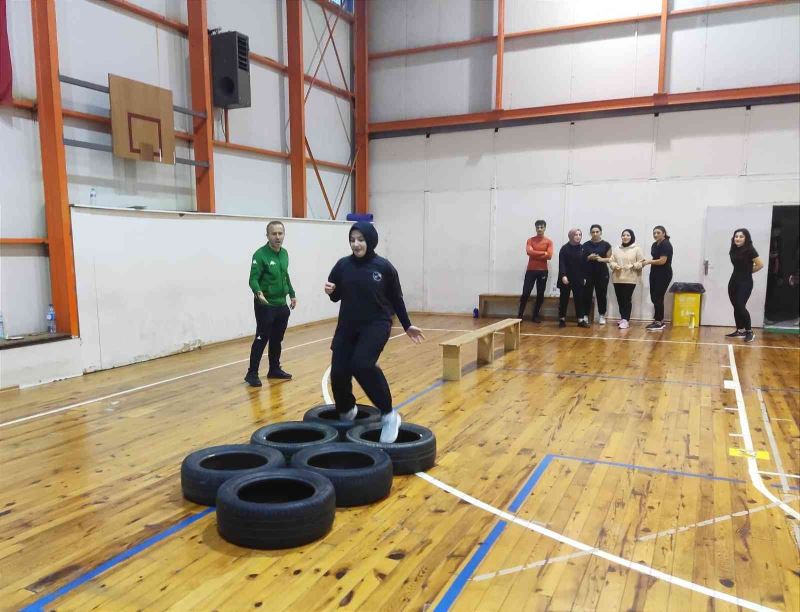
[[601, 320], [624, 324], [350, 415], [390, 427]]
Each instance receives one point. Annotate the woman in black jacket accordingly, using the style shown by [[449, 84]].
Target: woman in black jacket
[[571, 277], [369, 290]]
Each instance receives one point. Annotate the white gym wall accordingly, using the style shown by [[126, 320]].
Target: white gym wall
[[472, 196], [96, 39]]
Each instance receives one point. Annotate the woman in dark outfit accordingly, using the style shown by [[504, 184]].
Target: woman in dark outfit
[[369, 290], [571, 278], [660, 274], [745, 260], [597, 253]]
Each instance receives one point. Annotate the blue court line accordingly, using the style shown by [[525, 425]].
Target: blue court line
[[39, 604], [416, 396], [468, 570], [641, 468]]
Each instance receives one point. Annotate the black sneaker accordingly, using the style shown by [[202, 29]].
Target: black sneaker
[[656, 326], [736, 334], [583, 323], [279, 374], [749, 336], [536, 319], [562, 323], [252, 379]]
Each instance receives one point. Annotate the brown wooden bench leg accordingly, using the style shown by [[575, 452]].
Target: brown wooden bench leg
[[451, 362], [486, 349], [511, 338]]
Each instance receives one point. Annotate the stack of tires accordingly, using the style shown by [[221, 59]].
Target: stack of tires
[[281, 490]]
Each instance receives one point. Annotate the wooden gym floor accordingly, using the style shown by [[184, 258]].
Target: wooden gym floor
[[589, 470]]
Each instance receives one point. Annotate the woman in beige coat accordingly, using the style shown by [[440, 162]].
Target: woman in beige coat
[[626, 272]]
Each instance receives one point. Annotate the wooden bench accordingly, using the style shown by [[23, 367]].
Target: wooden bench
[[451, 349], [500, 305]]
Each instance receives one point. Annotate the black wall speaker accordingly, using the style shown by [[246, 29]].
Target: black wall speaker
[[230, 70]]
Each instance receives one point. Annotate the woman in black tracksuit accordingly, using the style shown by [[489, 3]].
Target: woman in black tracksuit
[[571, 277], [597, 255], [660, 274], [369, 290], [745, 260]]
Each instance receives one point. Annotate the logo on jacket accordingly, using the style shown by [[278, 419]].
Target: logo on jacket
[[272, 263], [377, 277]]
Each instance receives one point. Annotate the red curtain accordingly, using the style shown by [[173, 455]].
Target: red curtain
[[5, 57]]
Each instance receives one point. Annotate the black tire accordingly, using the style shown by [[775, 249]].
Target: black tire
[[327, 415], [292, 436], [204, 471], [413, 451], [275, 509], [359, 473]]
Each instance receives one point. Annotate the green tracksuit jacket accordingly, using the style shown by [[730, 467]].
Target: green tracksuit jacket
[[269, 273]]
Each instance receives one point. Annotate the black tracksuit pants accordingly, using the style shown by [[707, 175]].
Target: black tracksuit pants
[[596, 282], [658, 289], [271, 322], [624, 293], [577, 298], [739, 290], [356, 348], [532, 277]]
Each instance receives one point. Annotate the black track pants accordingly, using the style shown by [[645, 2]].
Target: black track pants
[[271, 322], [624, 293], [739, 290], [658, 289], [532, 277], [356, 348]]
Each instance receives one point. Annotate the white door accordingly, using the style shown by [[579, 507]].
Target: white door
[[721, 221]]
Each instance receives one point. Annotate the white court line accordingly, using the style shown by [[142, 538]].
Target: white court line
[[716, 519], [133, 390], [522, 568], [637, 567], [752, 467], [777, 474], [773, 443], [750, 346], [777, 459], [652, 536]]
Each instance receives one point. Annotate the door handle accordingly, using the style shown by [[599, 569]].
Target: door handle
[[705, 267]]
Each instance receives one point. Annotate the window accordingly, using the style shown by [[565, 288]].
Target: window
[[345, 4]]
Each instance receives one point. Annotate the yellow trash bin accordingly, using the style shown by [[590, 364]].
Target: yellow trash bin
[[686, 304], [686, 310]]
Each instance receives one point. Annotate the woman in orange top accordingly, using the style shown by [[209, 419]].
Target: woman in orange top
[[540, 250]]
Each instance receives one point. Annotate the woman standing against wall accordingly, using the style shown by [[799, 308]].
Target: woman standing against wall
[[597, 253], [626, 265], [745, 260], [571, 278], [660, 274]]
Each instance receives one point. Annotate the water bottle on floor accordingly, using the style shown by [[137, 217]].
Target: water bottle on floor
[[51, 320], [2, 328], [93, 197]]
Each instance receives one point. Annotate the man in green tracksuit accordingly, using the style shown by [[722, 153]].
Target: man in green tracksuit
[[269, 280]]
